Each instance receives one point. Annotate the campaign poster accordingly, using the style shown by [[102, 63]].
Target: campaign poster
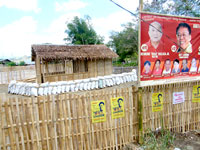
[[117, 107], [98, 111], [196, 93], [169, 47], [157, 102], [178, 97]]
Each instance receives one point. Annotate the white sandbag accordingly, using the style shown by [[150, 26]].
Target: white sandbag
[[28, 89], [81, 85], [34, 89], [41, 91], [77, 85], [72, 86], [100, 82], [63, 86], [59, 87], [89, 85], [85, 86], [54, 90], [11, 86], [67, 87], [107, 82], [50, 89], [93, 83], [46, 88]]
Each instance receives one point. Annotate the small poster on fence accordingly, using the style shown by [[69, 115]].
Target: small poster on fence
[[196, 93], [117, 107], [178, 97], [98, 111], [157, 102]]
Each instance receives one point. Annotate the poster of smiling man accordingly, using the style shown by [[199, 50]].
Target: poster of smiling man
[[169, 47]]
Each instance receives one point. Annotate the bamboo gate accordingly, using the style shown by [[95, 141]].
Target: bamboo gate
[[64, 121]]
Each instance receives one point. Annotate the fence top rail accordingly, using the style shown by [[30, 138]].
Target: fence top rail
[[179, 80]]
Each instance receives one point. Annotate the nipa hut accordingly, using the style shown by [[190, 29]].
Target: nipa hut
[[63, 62]]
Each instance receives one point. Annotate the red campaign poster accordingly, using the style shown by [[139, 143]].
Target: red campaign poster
[[169, 47]]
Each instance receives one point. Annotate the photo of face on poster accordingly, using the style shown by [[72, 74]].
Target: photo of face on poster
[[172, 40]]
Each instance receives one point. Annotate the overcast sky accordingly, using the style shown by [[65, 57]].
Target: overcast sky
[[27, 22]]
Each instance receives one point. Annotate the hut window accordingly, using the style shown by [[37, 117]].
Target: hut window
[[80, 66]]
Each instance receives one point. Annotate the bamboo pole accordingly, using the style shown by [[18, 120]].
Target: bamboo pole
[[140, 117]]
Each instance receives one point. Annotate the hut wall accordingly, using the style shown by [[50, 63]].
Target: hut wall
[[100, 67]]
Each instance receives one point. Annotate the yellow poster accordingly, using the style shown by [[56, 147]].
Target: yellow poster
[[196, 93], [98, 111], [157, 102], [117, 107]]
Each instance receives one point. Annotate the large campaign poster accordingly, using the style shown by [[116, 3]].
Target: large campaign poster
[[169, 47]]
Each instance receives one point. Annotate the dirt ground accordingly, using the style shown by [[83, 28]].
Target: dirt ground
[[183, 141]]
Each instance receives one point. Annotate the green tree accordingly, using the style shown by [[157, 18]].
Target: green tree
[[11, 64], [174, 7], [125, 43], [81, 32], [22, 63]]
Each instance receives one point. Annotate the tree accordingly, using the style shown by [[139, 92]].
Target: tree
[[174, 7], [11, 64], [81, 32], [22, 63], [125, 43]]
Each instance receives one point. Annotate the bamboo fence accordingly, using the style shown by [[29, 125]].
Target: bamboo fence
[[16, 73], [64, 121], [180, 117]]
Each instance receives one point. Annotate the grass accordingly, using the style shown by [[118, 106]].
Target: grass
[[158, 140]]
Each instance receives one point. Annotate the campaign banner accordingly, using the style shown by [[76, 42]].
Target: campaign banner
[[157, 102], [178, 97], [196, 93], [98, 111], [169, 47], [117, 107]]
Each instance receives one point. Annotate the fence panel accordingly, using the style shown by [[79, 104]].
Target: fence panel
[[64, 121], [16, 73], [180, 117]]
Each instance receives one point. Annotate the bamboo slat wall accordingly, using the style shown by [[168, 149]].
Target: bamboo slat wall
[[64, 121], [181, 117], [16, 73]]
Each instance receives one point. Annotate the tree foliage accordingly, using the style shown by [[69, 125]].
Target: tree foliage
[[22, 63], [81, 32], [125, 43], [11, 64], [174, 7]]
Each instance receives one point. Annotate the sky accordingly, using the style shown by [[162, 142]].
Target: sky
[[27, 22]]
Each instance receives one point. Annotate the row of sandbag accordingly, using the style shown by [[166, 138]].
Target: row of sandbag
[[49, 88]]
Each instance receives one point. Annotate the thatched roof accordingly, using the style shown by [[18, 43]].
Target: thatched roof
[[48, 52]]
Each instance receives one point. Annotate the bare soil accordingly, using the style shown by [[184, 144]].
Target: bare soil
[[183, 141]]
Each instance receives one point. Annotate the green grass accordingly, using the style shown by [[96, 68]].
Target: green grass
[[158, 140]]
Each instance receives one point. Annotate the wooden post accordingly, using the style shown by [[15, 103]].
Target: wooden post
[[141, 5], [140, 116], [38, 70], [139, 63]]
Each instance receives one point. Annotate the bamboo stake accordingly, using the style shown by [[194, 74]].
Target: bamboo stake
[[140, 117]]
